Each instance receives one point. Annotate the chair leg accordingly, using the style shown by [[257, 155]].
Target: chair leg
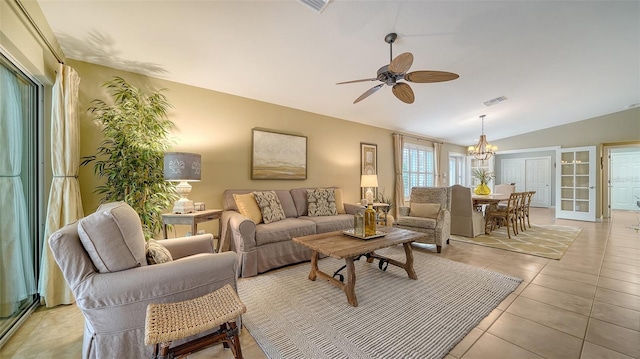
[[438, 248]]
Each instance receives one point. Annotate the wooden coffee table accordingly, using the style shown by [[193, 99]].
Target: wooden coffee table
[[339, 246]]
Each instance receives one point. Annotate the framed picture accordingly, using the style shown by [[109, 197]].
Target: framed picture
[[278, 155], [368, 163]]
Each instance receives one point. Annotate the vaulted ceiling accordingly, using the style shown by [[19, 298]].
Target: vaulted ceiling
[[556, 62]]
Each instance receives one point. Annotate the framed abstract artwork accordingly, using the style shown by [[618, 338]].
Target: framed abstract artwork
[[277, 155], [369, 163]]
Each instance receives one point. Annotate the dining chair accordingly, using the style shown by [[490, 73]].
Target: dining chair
[[520, 209], [504, 188], [465, 219], [528, 205], [506, 216]]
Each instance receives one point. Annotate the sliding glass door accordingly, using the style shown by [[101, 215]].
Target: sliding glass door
[[20, 185]]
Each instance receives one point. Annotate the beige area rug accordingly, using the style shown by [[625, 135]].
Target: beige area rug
[[292, 317], [548, 241]]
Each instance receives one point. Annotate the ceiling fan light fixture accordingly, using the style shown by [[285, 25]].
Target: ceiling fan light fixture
[[396, 70], [482, 150]]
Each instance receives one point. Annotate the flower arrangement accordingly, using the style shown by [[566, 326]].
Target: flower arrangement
[[483, 175]]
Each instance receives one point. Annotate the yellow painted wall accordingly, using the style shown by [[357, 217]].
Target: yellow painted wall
[[621, 126], [219, 127]]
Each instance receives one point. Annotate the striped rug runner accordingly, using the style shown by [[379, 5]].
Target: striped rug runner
[[292, 317]]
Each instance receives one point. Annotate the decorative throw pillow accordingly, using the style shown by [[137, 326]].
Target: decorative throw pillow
[[425, 210], [248, 206], [113, 237], [339, 201], [321, 202], [157, 253], [270, 206]]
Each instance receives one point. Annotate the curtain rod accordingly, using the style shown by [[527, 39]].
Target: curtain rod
[[418, 138], [44, 38]]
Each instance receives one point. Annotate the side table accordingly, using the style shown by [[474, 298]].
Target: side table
[[191, 219], [380, 208]]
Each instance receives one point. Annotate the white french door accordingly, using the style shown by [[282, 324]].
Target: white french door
[[625, 178], [538, 178], [576, 183]]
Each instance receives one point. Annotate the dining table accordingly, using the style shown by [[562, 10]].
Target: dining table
[[491, 200]]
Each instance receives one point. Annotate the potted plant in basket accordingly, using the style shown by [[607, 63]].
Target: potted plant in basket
[[131, 157], [484, 177]]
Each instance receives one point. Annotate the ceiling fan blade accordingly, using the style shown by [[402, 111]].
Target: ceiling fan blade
[[403, 92], [430, 76], [401, 63], [350, 82], [368, 93]]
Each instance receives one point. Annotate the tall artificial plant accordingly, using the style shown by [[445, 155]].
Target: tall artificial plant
[[130, 159]]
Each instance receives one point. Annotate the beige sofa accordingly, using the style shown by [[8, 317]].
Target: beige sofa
[[264, 246]]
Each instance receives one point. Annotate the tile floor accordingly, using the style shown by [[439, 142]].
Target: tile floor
[[586, 305]]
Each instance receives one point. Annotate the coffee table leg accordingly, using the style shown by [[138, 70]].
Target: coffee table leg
[[350, 287], [314, 266], [408, 265]]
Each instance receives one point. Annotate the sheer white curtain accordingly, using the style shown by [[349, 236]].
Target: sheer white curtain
[[437, 164], [398, 146], [65, 205], [17, 279]]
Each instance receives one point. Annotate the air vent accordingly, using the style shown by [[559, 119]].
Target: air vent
[[494, 101], [317, 5]]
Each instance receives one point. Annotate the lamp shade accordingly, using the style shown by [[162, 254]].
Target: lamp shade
[[182, 166], [369, 181]]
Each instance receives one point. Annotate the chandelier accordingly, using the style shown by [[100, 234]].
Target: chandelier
[[483, 150]]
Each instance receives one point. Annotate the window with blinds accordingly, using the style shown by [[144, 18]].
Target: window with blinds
[[417, 167]]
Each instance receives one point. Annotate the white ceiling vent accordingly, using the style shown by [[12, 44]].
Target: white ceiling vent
[[317, 5], [494, 101]]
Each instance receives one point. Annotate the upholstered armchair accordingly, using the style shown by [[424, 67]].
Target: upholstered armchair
[[465, 219], [429, 213], [103, 259]]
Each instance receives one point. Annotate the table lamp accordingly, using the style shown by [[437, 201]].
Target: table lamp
[[369, 181], [182, 167]]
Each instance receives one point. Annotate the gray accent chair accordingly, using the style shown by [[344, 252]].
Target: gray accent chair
[[465, 219], [436, 227], [103, 259]]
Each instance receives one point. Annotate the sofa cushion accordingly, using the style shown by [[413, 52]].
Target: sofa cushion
[[283, 230], [325, 224], [321, 202], [113, 237], [286, 201], [269, 206], [417, 222], [157, 253], [339, 201], [248, 206], [425, 210]]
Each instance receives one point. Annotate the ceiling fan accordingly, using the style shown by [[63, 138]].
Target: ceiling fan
[[397, 70]]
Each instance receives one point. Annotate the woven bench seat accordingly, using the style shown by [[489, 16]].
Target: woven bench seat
[[167, 322]]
